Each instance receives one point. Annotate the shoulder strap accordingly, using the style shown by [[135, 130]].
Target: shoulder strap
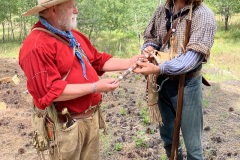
[[63, 40], [167, 36], [56, 36], [59, 38]]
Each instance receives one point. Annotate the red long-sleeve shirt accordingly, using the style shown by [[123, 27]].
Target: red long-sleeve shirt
[[45, 60]]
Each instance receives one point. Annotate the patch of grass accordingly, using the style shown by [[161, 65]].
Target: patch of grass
[[225, 52], [9, 49], [164, 157], [106, 140], [139, 103], [144, 116], [141, 133], [205, 103], [141, 143], [118, 147], [152, 131], [123, 111], [119, 44], [137, 77], [223, 116], [219, 76], [103, 106]]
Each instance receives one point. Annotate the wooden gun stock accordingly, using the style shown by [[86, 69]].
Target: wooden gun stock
[[177, 123]]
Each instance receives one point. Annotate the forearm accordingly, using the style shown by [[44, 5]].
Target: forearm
[[182, 64], [116, 64], [73, 91]]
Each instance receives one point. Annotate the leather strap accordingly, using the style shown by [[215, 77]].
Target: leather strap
[[83, 115], [187, 75], [59, 38], [56, 36], [170, 31]]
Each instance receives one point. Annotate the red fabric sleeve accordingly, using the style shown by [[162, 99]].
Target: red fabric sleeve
[[43, 78], [96, 58]]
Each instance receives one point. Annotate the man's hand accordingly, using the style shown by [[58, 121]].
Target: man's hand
[[148, 49], [134, 59], [146, 68], [106, 85]]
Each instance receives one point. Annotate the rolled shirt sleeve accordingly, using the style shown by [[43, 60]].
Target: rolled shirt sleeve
[[182, 64], [202, 31], [44, 82]]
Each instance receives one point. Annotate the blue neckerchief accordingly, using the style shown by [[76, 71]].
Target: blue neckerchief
[[72, 40]]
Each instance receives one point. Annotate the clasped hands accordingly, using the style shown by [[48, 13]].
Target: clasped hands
[[144, 66]]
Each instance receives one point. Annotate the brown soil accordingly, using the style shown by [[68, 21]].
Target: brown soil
[[129, 135]]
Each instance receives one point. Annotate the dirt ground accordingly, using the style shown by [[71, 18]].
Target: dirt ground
[[129, 134]]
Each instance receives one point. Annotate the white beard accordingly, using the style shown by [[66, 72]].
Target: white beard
[[68, 23]]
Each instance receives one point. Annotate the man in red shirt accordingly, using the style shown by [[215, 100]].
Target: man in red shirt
[[63, 68]]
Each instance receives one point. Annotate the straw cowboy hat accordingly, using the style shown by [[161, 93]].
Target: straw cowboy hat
[[42, 5]]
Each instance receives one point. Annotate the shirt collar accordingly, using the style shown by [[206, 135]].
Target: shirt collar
[[168, 6]]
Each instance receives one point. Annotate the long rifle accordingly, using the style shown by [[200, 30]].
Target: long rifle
[[177, 123]]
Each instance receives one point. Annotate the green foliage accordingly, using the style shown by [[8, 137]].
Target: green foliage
[[118, 147], [119, 44], [123, 111], [141, 133], [221, 6], [106, 143], [113, 25], [141, 143], [144, 116], [164, 157], [224, 53], [107, 15], [9, 49], [110, 25], [137, 77], [225, 8], [139, 103]]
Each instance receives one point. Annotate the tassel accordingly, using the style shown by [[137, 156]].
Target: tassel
[[154, 113]]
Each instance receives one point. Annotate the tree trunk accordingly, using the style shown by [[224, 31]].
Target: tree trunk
[[90, 34], [8, 35], [226, 17], [21, 28], [3, 36], [25, 28], [11, 25]]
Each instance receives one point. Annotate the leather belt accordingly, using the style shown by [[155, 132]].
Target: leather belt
[[83, 115], [187, 76]]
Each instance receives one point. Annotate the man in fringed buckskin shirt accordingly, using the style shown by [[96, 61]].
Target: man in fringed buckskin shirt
[[187, 61]]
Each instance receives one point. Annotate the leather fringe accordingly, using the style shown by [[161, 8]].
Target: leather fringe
[[155, 115]]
